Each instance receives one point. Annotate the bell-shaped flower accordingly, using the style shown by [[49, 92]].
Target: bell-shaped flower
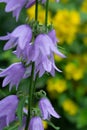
[[45, 46], [13, 75], [8, 108], [47, 109], [36, 123], [14, 6], [20, 36]]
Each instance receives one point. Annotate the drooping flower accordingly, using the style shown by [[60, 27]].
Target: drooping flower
[[36, 123], [13, 74], [15, 6], [47, 109], [45, 46], [20, 36], [8, 108]]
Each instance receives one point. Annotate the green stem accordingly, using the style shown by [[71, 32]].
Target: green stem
[[46, 13], [36, 78], [36, 11], [32, 84], [30, 97]]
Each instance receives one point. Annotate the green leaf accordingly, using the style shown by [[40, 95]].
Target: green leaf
[[13, 126], [20, 109]]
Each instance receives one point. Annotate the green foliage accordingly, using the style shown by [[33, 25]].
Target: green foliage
[[20, 109]]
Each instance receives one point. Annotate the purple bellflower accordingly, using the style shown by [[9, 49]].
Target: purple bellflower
[[20, 36], [45, 46], [15, 6], [8, 108], [47, 109], [13, 74], [36, 123]]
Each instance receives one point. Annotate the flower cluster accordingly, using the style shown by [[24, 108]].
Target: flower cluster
[[40, 51]]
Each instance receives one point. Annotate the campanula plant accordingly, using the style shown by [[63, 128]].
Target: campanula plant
[[34, 45]]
